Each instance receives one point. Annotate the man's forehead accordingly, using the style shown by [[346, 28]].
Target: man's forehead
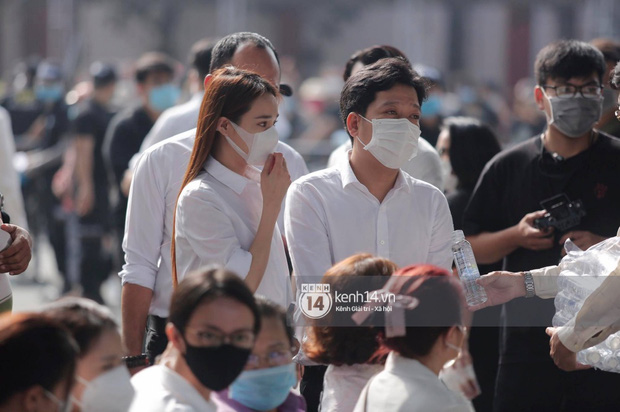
[[576, 80], [260, 60], [399, 94]]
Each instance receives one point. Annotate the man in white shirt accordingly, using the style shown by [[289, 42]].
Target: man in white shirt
[[426, 166], [146, 275], [368, 204], [363, 205]]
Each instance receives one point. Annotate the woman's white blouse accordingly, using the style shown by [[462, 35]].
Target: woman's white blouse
[[216, 221], [408, 386], [342, 386]]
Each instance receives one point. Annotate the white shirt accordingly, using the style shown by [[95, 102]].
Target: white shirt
[[160, 389], [217, 218], [408, 386], [426, 166], [150, 210], [330, 216], [342, 386], [599, 316]]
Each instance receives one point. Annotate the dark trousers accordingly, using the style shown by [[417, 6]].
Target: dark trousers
[[156, 339], [541, 386], [311, 386]]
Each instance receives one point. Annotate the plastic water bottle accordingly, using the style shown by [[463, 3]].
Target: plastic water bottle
[[468, 270]]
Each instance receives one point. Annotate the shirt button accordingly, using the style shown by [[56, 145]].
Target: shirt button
[[382, 242]]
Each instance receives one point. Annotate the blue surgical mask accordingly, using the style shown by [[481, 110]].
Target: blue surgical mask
[[49, 93], [432, 106], [264, 389], [163, 97]]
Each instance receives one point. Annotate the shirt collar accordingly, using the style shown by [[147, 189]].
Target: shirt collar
[[402, 366], [226, 176], [348, 176], [183, 390]]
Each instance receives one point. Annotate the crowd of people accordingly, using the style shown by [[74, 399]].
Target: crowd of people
[[219, 227]]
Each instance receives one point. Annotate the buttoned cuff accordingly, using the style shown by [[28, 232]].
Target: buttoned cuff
[[569, 338]]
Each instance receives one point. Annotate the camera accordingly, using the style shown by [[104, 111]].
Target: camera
[[562, 213]]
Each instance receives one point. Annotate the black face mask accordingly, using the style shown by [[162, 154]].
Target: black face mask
[[216, 367]]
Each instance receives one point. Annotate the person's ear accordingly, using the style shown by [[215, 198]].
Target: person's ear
[[353, 124], [223, 126], [32, 398], [175, 337], [539, 96], [207, 79]]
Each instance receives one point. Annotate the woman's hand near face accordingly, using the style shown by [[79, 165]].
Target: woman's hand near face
[[275, 180]]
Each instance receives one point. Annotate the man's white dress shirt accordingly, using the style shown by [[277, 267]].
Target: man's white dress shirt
[[217, 218], [148, 229], [407, 385], [426, 166], [330, 216], [342, 385], [160, 389]]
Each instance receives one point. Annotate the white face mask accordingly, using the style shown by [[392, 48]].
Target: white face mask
[[260, 145], [109, 392], [449, 179], [457, 348], [394, 141]]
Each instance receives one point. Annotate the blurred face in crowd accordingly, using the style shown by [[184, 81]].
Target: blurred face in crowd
[[104, 355], [154, 81], [272, 346], [443, 145], [399, 102]]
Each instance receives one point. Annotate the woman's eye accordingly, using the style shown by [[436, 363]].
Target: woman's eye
[[392, 112]]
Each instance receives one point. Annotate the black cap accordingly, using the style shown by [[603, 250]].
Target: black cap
[[286, 90], [102, 74]]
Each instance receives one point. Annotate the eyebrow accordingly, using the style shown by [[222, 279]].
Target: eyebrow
[[220, 330], [392, 102], [266, 116]]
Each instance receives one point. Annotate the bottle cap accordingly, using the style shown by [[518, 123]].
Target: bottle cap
[[457, 236]]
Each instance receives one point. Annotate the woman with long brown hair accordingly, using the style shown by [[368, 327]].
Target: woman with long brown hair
[[227, 209]]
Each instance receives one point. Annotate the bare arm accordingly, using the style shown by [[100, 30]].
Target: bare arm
[[135, 302], [84, 148]]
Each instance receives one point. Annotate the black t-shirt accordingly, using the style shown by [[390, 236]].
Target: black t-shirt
[[123, 139], [512, 185], [93, 121]]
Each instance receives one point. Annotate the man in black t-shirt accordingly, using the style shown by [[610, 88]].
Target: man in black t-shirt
[[91, 195], [568, 158], [154, 75]]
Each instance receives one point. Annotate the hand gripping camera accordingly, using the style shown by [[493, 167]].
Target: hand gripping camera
[[562, 214]]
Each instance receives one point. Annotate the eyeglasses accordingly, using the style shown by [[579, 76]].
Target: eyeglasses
[[242, 339], [274, 358], [568, 91]]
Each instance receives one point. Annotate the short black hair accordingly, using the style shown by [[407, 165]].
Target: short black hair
[[200, 56], [224, 50], [568, 58], [205, 285], [371, 55], [614, 80], [102, 74], [472, 145], [361, 88], [85, 319], [153, 62], [268, 309], [34, 350]]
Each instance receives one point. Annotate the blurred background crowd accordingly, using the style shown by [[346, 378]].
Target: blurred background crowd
[[84, 67]]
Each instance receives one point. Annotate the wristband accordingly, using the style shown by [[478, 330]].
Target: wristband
[[530, 292]]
